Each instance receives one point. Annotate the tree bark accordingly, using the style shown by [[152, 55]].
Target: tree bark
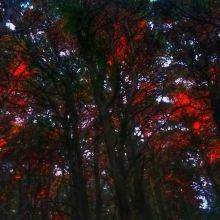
[[75, 161]]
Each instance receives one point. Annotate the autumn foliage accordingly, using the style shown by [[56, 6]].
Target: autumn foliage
[[109, 110]]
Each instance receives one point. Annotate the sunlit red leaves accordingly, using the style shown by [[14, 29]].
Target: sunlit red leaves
[[2, 143], [14, 131], [197, 126], [50, 190], [193, 110], [18, 101], [144, 91], [113, 34], [121, 47], [214, 154], [204, 125], [119, 38], [140, 29], [21, 103], [148, 123], [182, 99], [172, 143], [187, 105], [20, 70], [146, 131], [142, 24]]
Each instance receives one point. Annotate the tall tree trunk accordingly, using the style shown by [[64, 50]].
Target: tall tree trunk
[[75, 161], [140, 200], [215, 101], [116, 165], [140, 203], [98, 196]]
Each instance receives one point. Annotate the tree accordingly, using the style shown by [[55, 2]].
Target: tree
[[109, 109]]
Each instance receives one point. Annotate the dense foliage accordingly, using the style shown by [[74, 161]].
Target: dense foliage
[[109, 109]]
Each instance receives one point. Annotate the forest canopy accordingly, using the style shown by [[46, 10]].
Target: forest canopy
[[109, 109]]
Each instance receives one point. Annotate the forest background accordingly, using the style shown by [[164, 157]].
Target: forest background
[[109, 109]]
